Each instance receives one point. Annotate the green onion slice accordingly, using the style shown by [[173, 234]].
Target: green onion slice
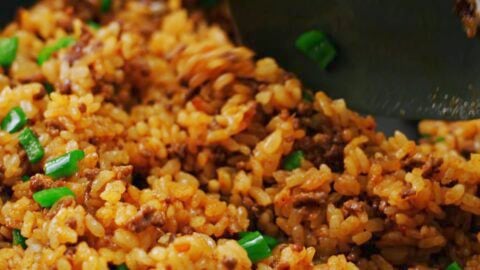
[[32, 146], [65, 165], [18, 239], [440, 139], [48, 51], [25, 178], [425, 136], [14, 121], [256, 246], [293, 161], [122, 267], [272, 242], [454, 266], [317, 47], [48, 197], [105, 5], [93, 25], [49, 88], [8, 50]]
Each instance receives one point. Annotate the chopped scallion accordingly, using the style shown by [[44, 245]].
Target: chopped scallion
[[425, 136], [256, 246], [272, 242], [293, 161], [105, 5], [48, 51], [14, 121], [93, 25], [454, 266], [65, 165], [18, 239], [25, 178], [32, 146], [317, 47], [8, 51], [48, 197], [122, 267], [49, 88], [440, 139]]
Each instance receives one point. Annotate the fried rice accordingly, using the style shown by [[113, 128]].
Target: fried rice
[[185, 134]]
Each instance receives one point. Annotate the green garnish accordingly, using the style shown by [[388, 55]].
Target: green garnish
[[48, 51], [14, 121], [256, 246], [440, 139], [8, 50], [65, 165], [32, 146], [25, 178], [93, 25], [48, 197], [272, 242], [317, 47], [425, 136], [49, 88], [122, 267], [105, 5], [307, 96], [293, 161], [18, 239], [454, 266]]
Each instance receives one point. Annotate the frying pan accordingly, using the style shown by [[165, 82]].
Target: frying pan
[[386, 124]]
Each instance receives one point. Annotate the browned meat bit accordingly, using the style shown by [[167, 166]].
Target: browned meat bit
[[470, 14], [82, 107], [90, 174], [40, 182], [229, 262], [54, 126], [138, 71], [323, 149], [65, 87], [2, 171], [413, 162], [353, 207], [122, 172], [72, 223], [310, 199], [407, 193], [40, 94], [432, 167], [77, 51], [145, 217]]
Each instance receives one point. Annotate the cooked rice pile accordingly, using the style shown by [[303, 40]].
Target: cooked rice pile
[[185, 134]]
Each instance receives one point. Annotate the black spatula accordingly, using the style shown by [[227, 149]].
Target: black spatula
[[402, 58]]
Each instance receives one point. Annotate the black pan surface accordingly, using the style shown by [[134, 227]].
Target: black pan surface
[[388, 125]]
